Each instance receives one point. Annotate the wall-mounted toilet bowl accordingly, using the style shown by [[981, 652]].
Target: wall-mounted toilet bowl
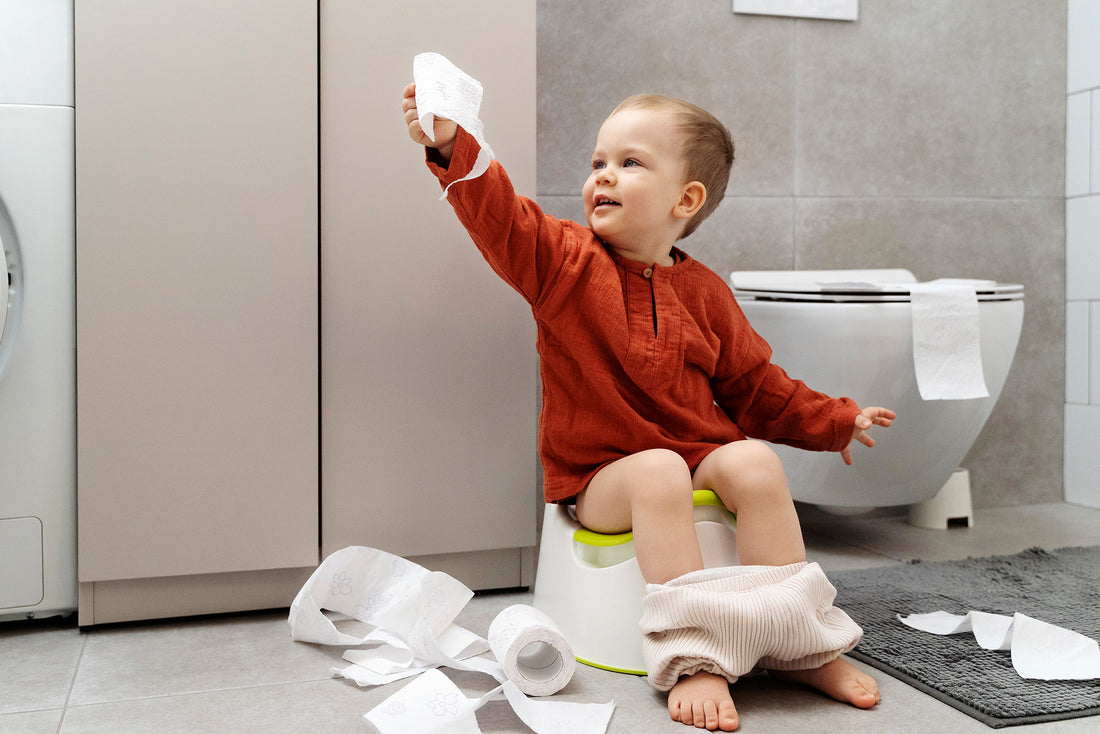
[[849, 333]]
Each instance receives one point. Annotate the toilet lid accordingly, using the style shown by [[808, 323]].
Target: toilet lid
[[848, 286]]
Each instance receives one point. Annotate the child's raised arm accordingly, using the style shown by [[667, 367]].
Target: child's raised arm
[[445, 130]]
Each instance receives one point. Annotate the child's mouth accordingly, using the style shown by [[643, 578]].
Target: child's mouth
[[602, 201]]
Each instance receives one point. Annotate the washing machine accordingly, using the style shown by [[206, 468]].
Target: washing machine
[[37, 310]]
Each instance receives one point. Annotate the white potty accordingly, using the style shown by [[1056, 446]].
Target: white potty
[[591, 586]]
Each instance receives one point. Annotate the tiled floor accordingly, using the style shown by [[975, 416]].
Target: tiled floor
[[243, 674]]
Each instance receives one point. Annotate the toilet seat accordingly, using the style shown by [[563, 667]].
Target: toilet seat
[[849, 286]]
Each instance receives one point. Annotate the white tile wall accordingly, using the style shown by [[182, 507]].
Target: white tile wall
[[1094, 353], [1095, 149], [1083, 248], [1078, 130], [1082, 458], [1077, 352], [1082, 422], [1083, 69]]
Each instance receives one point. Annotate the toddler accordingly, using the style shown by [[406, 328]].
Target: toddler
[[652, 381]]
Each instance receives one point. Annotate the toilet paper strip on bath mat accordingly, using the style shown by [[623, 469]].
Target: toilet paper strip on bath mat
[[445, 91], [1039, 650], [398, 618], [947, 345]]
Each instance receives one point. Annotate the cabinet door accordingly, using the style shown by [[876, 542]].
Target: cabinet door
[[197, 307], [428, 359]]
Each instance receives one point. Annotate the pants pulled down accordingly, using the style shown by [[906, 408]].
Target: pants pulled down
[[731, 621]]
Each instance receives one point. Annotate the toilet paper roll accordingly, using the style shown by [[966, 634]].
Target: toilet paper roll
[[445, 91], [535, 655], [947, 345]]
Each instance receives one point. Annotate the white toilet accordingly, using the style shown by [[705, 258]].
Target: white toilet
[[846, 334]]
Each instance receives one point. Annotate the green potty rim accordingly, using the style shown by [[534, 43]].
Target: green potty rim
[[700, 498]]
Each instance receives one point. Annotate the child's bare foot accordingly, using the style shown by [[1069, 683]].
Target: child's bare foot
[[703, 700], [839, 679]]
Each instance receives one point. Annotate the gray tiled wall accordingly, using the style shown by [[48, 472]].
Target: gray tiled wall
[[928, 135]]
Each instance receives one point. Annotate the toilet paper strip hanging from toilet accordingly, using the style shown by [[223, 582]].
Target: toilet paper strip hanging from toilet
[[400, 617], [947, 345], [445, 91]]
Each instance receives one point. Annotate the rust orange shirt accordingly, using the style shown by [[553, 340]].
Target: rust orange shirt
[[632, 356]]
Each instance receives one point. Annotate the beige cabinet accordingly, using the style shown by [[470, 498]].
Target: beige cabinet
[[285, 342], [429, 375], [197, 304]]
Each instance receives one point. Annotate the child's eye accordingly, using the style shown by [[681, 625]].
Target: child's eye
[[597, 165], [630, 162]]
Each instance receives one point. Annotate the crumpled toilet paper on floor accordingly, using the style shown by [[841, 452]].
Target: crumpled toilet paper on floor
[[411, 613], [947, 343], [443, 90], [1040, 650]]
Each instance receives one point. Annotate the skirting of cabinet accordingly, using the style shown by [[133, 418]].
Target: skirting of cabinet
[[129, 600], [502, 568]]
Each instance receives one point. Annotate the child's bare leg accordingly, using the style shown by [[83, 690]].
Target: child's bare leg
[[749, 478], [650, 493]]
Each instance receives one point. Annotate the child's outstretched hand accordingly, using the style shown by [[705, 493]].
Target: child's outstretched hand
[[868, 417], [445, 130]]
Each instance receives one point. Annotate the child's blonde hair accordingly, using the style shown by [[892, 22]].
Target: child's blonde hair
[[708, 148]]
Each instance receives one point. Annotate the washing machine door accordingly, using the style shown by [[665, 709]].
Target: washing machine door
[[6, 280], [11, 283]]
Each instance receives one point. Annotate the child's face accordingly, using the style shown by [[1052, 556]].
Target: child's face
[[638, 177]]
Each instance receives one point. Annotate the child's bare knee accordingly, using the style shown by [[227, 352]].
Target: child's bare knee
[[763, 460], [660, 477], [749, 470]]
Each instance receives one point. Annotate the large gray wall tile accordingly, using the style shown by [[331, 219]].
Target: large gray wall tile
[[591, 56], [934, 98]]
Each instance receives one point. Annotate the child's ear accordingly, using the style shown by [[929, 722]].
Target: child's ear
[[691, 200]]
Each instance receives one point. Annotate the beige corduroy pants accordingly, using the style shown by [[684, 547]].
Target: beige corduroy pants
[[729, 621]]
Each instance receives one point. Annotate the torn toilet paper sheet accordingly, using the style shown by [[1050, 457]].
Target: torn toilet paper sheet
[[405, 615], [432, 704], [947, 344], [1039, 650], [445, 91]]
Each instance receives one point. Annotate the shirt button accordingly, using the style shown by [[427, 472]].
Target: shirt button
[[648, 272]]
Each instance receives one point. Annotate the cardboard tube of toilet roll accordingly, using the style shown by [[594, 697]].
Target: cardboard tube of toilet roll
[[534, 653]]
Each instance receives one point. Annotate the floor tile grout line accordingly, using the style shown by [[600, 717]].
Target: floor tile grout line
[[203, 692], [72, 680]]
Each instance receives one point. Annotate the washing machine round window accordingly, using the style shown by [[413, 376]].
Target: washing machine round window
[[11, 289]]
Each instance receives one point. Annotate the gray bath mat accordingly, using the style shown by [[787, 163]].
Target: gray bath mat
[[1060, 587]]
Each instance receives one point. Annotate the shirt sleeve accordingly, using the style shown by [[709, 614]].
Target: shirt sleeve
[[523, 245], [768, 404]]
